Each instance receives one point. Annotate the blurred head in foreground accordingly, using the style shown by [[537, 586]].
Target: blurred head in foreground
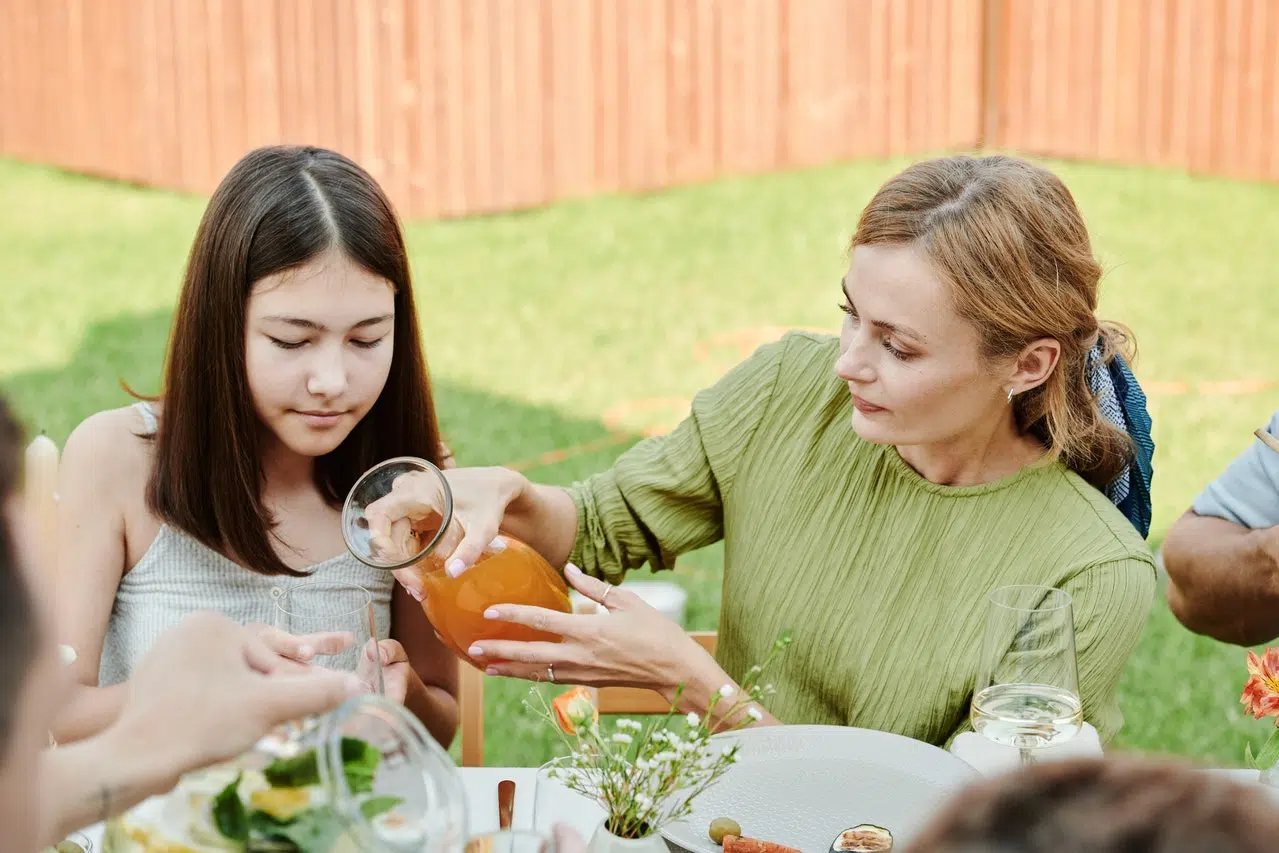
[[1114, 805]]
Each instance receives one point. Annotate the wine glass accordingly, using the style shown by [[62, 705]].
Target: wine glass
[[342, 609], [1027, 689], [507, 572]]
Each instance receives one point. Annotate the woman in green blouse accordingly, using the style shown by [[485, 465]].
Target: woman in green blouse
[[962, 433]]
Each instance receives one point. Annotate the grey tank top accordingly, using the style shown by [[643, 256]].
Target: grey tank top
[[178, 576]]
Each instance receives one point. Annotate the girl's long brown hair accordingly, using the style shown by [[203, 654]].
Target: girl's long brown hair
[[278, 208], [1007, 238]]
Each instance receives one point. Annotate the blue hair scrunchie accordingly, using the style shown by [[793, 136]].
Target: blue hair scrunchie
[[1123, 404]]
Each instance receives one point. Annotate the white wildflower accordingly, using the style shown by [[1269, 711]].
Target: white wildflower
[[727, 691], [755, 714], [666, 756], [661, 736], [643, 764], [621, 737], [629, 724], [693, 719], [754, 670]]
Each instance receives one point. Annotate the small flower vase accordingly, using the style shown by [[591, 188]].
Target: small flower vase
[[1270, 776], [604, 841]]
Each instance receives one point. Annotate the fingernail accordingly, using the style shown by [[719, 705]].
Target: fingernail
[[491, 613], [475, 652], [455, 568], [573, 570], [492, 670], [354, 686], [497, 544], [305, 652], [417, 595]]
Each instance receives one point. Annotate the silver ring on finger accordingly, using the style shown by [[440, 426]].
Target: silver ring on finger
[[550, 672]]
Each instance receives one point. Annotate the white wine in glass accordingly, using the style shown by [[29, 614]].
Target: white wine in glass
[[1027, 691]]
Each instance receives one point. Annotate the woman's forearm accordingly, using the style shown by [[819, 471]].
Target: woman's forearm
[[545, 518], [705, 689], [100, 777], [435, 707], [88, 711]]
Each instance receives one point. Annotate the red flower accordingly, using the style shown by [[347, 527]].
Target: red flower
[[1261, 693], [575, 710]]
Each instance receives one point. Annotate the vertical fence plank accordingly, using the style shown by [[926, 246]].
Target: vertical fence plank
[[191, 97], [423, 175], [1270, 95], [1252, 36], [965, 77]]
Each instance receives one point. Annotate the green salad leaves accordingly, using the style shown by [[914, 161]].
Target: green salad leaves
[[314, 829]]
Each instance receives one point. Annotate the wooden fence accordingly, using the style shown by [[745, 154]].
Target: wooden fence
[[469, 106], [1190, 84]]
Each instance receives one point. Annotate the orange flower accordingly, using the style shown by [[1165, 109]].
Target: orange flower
[[574, 709], [1261, 693]]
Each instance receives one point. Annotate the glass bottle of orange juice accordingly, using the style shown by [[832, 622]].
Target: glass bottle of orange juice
[[508, 572]]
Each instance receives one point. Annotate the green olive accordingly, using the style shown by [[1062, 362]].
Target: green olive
[[722, 826]]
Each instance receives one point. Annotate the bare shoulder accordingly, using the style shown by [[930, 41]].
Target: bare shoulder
[[109, 450]]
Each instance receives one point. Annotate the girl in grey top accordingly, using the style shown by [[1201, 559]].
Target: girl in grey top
[[294, 365]]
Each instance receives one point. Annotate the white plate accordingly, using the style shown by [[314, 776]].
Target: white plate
[[802, 785]]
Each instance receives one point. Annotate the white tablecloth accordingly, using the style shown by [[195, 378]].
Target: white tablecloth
[[555, 805]]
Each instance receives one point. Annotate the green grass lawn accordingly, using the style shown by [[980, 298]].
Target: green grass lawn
[[540, 324]]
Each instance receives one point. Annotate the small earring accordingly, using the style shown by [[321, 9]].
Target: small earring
[[1010, 396]]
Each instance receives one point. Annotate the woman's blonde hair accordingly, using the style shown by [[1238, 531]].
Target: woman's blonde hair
[[1007, 237]]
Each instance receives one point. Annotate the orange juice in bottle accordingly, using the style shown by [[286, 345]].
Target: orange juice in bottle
[[507, 572]]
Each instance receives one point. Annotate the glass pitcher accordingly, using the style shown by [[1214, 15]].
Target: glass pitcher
[[508, 572], [366, 778]]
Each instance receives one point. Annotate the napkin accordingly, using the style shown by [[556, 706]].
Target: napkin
[[991, 759]]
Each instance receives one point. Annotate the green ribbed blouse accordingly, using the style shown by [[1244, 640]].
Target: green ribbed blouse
[[881, 575]]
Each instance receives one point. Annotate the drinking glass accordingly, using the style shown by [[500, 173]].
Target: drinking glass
[[511, 841], [74, 841], [323, 607], [508, 571], [1027, 689]]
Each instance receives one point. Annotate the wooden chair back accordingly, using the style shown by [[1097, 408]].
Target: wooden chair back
[[610, 700]]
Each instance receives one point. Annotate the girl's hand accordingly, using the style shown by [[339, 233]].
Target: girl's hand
[[397, 672], [280, 651]]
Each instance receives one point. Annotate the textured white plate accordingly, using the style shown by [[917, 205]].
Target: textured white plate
[[802, 785]]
